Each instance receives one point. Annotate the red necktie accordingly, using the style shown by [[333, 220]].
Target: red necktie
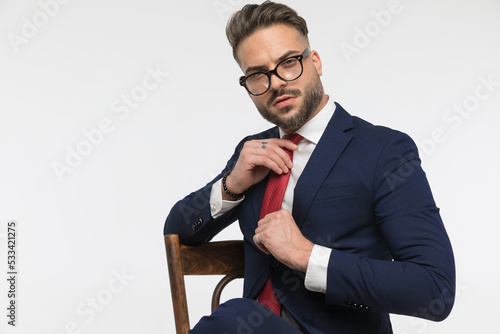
[[275, 191]]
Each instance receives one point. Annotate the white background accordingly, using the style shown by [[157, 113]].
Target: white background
[[66, 68]]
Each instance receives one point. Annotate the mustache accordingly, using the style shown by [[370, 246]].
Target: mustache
[[285, 91]]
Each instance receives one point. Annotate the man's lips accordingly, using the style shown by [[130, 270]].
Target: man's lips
[[284, 101]]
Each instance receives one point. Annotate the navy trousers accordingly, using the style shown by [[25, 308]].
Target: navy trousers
[[243, 316]]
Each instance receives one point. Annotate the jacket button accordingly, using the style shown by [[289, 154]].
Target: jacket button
[[197, 224]]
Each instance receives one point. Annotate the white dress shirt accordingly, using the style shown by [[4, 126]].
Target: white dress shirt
[[316, 274]]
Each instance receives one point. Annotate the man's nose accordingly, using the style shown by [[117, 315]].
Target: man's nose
[[277, 82]]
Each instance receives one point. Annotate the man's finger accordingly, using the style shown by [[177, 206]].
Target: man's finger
[[274, 150], [260, 244]]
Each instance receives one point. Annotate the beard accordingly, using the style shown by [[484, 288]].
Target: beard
[[313, 94]]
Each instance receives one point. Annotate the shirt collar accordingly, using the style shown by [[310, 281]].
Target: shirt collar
[[314, 128]]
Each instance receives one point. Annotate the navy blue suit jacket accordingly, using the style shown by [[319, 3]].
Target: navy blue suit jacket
[[363, 194]]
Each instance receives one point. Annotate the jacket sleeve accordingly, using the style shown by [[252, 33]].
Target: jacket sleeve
[[191, 217], [420, 281]]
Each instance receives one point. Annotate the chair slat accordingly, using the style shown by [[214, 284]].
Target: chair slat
[[214, 258]]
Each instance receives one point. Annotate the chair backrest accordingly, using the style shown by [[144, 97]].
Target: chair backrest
[[213, 258]]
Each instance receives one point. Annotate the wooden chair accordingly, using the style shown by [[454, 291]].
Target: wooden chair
[[213, 258]]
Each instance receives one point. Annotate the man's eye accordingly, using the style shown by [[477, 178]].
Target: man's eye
[[289, 62], [256, 77]]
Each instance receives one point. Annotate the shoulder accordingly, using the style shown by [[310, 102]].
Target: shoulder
[[375, 134], [375, 137], [387, 143]]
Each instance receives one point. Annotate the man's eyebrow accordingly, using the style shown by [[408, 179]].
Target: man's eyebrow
[[258, 68]]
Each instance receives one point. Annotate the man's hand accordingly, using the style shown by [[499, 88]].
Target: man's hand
[[255, 161], [278, 234]]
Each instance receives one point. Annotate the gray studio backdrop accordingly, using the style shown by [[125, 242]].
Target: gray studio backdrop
[[111, 111]]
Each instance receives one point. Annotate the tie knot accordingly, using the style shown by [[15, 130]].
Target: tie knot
[[294, 138]]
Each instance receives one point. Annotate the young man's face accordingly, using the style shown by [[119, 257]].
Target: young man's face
[[288, 104]]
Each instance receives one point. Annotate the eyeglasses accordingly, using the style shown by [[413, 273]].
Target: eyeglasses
[[288, 69]]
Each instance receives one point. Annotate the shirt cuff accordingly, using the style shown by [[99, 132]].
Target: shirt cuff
[[317, 269], [218, 206]]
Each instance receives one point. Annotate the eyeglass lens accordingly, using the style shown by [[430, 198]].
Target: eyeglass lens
[[288, 70]]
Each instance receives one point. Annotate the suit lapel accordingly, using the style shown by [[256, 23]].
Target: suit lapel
[[331, 145]]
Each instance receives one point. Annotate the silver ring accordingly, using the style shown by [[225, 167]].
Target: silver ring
[[257, 237], [263, 144]]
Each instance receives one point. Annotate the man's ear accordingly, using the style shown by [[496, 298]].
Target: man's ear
[[317, 62]]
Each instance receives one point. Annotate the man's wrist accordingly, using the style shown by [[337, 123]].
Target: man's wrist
[[227, 193], [219, 205], [304, 257]]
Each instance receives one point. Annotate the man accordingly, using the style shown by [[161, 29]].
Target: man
[[357, 234]]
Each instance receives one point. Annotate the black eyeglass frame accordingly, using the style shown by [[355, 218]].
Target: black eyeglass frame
[[304, 54]]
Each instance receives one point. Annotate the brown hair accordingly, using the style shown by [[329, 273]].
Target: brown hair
[[250, 18]]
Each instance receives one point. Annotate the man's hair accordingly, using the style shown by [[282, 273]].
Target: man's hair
[[250, 18]]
